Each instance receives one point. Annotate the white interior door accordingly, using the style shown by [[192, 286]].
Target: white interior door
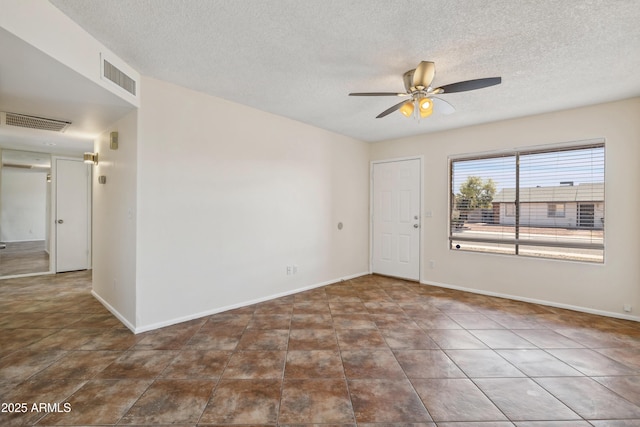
[[72, 215], [396, 219]]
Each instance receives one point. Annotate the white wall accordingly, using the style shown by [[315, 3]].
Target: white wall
[[114, 220], [228, 196], [23, 213], [596, 287]]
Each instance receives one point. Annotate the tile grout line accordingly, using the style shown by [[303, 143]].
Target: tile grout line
[[407, 376], [284, 367], [344, 373]]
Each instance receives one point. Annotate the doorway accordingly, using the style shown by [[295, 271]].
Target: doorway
[[25, 196], [45, 214], [395, 222]]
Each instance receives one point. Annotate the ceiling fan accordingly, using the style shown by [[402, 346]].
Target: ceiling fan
[[418, 87]]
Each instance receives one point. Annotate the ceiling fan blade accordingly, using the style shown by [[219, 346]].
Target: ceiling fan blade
[[423, 75], [470, 85], [391, 110], [378, 94], [442, 106]]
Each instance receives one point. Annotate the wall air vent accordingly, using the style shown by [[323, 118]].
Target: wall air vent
[[113, 73], [33, 122], [118, 77]]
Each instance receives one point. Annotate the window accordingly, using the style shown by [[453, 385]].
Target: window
[[555, 210], [510, 209], [542, 203]]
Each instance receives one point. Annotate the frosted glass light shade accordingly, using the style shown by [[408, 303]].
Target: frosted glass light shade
[[425, 105], [407, 109]]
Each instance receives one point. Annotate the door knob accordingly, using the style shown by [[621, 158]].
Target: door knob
[[416, 225], [60, 221]]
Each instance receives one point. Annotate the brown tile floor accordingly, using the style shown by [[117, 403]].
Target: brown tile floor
[[372, 351], [24, 258]]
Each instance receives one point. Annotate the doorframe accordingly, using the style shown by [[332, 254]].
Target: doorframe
[[421, 189], [53, 253]]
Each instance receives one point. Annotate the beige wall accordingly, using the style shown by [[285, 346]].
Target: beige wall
[[228, 196], [207, 202], [593, 287], [114, 220]]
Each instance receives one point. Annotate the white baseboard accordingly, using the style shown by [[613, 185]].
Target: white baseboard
[[18, 276], [177, 320], [113, 311], [535, 301]]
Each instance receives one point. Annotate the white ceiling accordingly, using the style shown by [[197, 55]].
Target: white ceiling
[[35, 84], [300, 59]]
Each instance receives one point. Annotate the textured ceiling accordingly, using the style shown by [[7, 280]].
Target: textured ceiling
[[300, 59]]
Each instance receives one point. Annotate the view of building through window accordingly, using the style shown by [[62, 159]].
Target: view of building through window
[[543, 203]]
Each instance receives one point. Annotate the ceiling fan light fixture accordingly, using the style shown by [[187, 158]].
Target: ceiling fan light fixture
[[407, 109], [425, 106], [418, 86]]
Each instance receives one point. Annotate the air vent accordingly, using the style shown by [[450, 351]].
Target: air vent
[[113, 73], [17, 166], [34, 122]]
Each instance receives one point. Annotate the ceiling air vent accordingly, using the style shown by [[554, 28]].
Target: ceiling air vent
[[33, 122], [113, 73], [17, 166]]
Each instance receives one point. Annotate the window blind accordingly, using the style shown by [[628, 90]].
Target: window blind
[[546, 203]]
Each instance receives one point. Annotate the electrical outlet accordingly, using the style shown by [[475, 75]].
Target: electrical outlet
[[289, 270], [432, 264], [295, 269], [627, 308]]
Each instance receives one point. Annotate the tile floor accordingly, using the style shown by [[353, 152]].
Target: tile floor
[[24, 258], [372, 351]]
